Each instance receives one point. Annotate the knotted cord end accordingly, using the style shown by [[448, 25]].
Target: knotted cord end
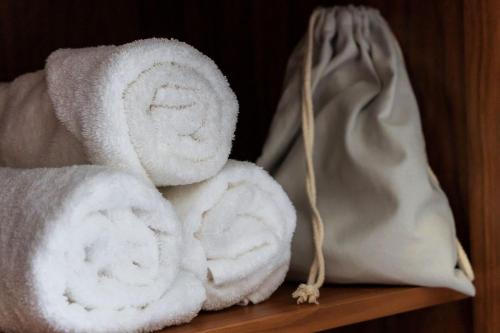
[[306, 293]]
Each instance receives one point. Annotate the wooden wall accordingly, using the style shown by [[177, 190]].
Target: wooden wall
[[482, 76], [251, 41]]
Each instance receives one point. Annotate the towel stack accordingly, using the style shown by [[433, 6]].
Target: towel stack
[[87, 242]]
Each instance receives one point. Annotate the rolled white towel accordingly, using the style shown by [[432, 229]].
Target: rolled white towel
[[156, 107], [244, 222], [84, 249]]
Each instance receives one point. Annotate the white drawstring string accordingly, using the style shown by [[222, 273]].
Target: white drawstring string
[[462, 258], [310, 292]]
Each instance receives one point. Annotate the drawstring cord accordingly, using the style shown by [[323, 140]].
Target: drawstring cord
[[310, 292], [462, 258]]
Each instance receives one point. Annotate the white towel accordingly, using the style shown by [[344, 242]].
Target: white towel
[[155, 107], [244, 222], [85, 249]]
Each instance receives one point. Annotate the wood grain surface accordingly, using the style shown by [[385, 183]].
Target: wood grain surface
[[451, 50], [339, 306], [482, 64]]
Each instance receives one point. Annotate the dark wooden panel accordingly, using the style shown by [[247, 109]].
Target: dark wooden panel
[[251, 40], [482, 62], [30, 30]]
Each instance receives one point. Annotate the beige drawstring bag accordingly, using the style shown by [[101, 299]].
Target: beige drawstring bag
[[377, 211]]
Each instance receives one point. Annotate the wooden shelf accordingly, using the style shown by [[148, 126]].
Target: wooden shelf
[[339, 306]]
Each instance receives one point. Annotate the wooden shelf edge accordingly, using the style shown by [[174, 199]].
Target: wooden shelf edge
[[339, 306]]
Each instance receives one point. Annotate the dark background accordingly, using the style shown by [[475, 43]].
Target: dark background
[[251, 41]]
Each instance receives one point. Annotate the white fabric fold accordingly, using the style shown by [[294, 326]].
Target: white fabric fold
[[244, 222], [155, 107], [85, 249]]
